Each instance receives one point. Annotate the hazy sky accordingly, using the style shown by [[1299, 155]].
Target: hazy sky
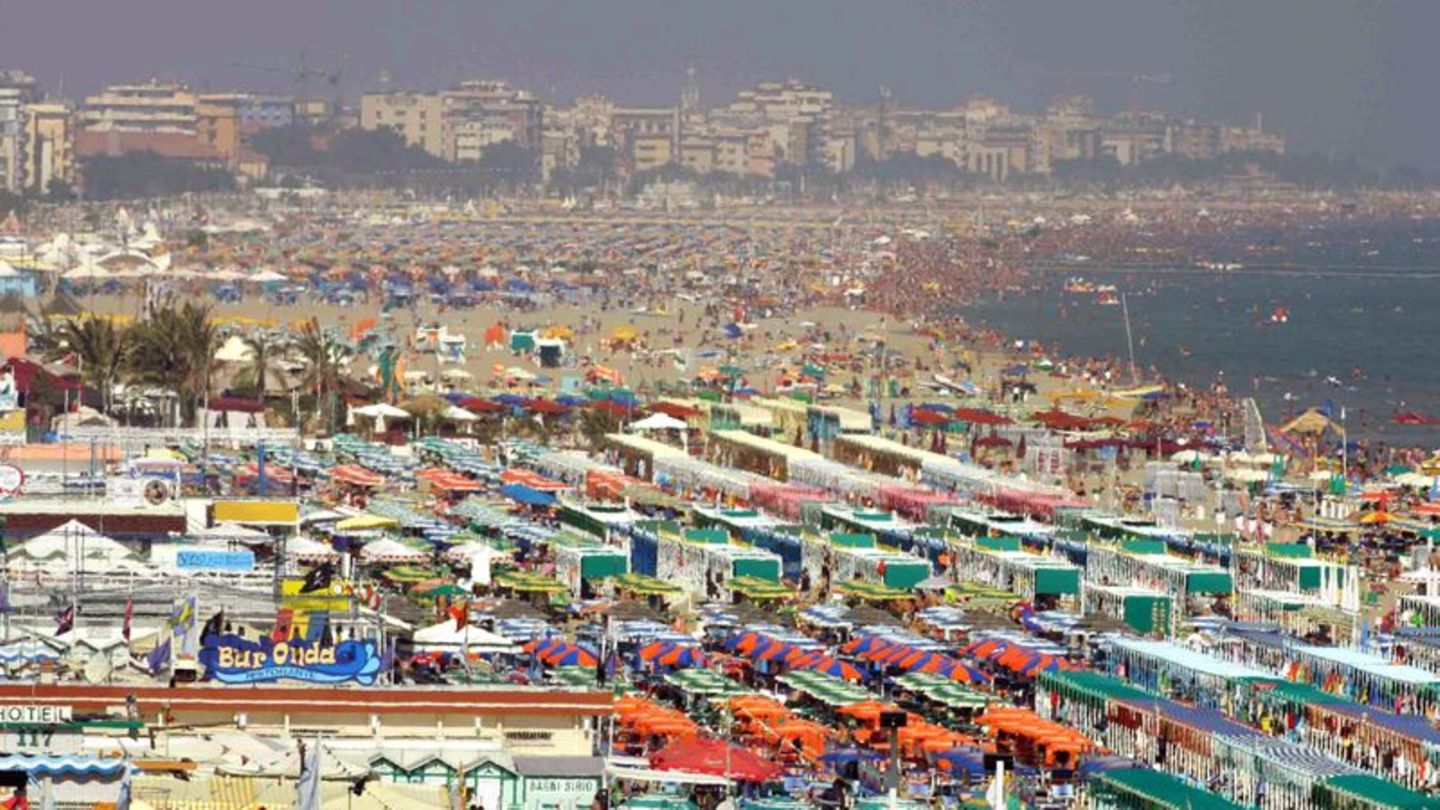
[[1350, 75]]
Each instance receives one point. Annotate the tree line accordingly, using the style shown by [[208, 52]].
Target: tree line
[[173, 349]]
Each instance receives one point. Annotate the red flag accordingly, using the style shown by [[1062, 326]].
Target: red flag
[[129, 615], [461, 614], [284, 621]]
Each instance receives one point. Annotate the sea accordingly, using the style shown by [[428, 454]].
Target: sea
[[1346, 318]]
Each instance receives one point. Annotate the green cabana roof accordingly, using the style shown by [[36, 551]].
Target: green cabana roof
[[1380, 793], [1164, 790]]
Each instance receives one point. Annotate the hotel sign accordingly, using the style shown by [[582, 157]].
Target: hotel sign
[[32, 715], [232, 659]]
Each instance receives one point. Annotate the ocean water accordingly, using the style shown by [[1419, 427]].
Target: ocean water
[[1363, 338]]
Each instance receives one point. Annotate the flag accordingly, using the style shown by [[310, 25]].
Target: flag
[[461, 614], [214, 626], [129, 617], [317, 625], [123, 802], [65, 620], [318, 578], [307, 787], [284, 624], [159, 658], [183, 615]]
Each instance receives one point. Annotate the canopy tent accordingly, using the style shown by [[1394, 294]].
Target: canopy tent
[[445, 637], [658, 421], [69, 546]]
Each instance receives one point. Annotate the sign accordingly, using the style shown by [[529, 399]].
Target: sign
[[550, 784], [337, 596], [31, 715], [232, 659], [257, 512], [12, 478], [240, 561]]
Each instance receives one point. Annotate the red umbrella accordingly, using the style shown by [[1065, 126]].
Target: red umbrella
[[1060, 420], [674, 409], [716, 758], [545, 406], [977, 416], [481, 405], [925, 416]]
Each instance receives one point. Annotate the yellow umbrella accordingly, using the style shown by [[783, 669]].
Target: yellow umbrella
[[361, 523]]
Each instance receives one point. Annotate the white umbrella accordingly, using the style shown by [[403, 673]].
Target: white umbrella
[[659, 421], [455, 413]]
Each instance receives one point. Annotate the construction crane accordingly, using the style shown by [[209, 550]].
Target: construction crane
[[1136, 80], [302, 72]]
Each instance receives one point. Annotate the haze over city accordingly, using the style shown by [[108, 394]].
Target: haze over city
[[1329, 74]]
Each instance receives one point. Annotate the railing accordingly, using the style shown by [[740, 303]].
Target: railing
[[130, 437]]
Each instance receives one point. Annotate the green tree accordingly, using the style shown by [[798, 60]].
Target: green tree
[[324, 359], [100, 348], [175, 349], [265, 357]]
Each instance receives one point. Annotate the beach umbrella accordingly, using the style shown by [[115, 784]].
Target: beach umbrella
[[746, 642], [683, 657], [845, 756], [964, 673], [863, 644], [837, 669], [654, 649], [716, 758], [571, 656], [970, 760]]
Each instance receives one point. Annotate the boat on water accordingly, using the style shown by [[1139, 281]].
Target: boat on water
[[1076, 284], [1280, 315], [1414, 418], [1107, 299]]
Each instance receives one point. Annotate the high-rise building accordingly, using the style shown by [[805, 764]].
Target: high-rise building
[[481, 113], [12, 140], [49, 147], [17, 89], [416, 117], [145, 107]]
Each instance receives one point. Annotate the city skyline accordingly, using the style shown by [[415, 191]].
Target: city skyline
[[1352, 89]]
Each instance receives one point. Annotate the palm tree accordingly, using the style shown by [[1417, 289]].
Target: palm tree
[[324, 359], [175, 349], [99, 346], [265, 357]]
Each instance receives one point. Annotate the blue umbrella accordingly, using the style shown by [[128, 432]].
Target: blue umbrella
[[845, 756], [971, 760], [508, 399], [527, 495]]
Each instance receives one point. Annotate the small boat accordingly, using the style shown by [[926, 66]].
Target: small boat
[[1107, 299], [1280, 315], [1076, 284], [1413, 418]]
